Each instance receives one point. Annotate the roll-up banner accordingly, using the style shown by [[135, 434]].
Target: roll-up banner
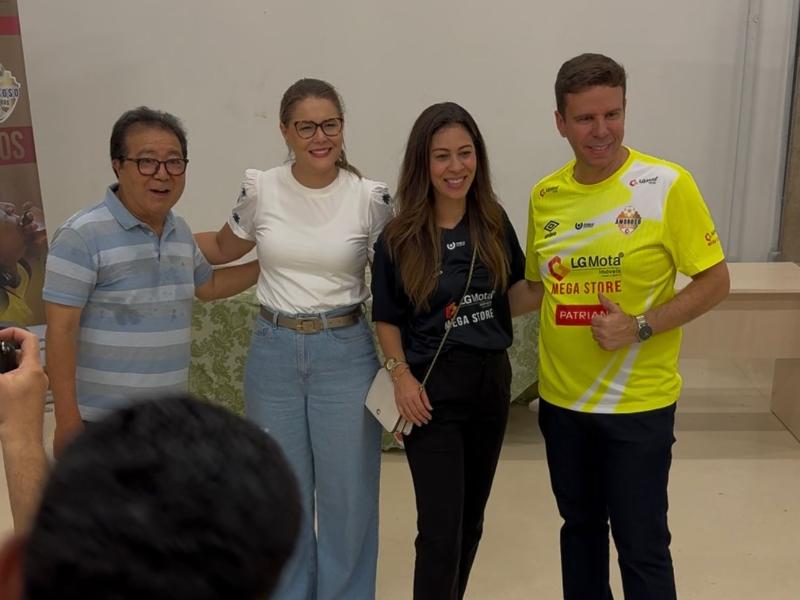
[[23, 239]]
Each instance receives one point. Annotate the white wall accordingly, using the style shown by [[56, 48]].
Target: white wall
[[222, 68]]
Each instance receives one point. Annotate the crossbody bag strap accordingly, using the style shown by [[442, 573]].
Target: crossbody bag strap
[[449, 323]]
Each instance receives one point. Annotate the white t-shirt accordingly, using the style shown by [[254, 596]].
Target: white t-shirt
[[312, 244]]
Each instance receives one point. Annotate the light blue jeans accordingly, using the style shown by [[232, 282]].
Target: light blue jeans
[[307, 391]]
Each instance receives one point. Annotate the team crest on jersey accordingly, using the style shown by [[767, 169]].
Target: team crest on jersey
[[628, 220], [9, 93]]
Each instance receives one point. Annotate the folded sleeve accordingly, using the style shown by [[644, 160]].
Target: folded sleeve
[[389, 301], [531, 260], [381, 210], [243, 215], [516, 257], [71, 272], [202, 269]]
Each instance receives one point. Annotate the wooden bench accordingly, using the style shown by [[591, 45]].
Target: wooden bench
[[759, 319]]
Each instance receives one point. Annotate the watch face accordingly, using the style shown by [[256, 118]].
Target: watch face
[[645, 331]]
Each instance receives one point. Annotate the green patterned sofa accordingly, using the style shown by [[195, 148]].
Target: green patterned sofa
[[221, 336]]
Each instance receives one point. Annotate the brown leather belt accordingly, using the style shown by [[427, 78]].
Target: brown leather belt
[[312, 324]]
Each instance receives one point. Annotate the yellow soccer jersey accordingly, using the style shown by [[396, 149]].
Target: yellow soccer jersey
[[624, 237]]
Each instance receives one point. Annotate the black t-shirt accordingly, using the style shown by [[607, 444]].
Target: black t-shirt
[[484, 319]]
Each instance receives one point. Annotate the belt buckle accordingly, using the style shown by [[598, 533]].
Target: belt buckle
[[307, 324]]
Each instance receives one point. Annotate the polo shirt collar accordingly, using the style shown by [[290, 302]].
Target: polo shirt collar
[[124, 217]]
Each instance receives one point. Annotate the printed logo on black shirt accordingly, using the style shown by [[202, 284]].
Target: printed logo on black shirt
[[449, 311]]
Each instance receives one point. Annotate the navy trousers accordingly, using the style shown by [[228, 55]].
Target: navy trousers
[[612, 468]]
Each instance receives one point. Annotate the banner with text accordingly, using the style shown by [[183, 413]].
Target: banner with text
[[23, 238]]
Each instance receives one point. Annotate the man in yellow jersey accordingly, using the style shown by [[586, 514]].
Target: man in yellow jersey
[[607, 234]]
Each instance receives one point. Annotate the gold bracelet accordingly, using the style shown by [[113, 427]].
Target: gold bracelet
[[396, 372]]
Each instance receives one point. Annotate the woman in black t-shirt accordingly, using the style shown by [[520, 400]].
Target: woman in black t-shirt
[[446, 210]]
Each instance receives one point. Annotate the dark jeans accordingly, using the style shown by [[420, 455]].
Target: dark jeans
[[612, 467], [453, 460]]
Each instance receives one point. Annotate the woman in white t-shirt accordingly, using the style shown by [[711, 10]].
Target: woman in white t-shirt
[[314, 222]]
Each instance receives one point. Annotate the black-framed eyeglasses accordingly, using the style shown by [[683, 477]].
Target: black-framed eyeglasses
[[150, 166], [330, 127]]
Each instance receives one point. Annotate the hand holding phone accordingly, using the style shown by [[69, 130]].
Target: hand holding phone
[[8, 356], [23, 384]]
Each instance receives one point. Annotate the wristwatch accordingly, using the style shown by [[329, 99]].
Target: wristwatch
[[644, 332], [392, 363]]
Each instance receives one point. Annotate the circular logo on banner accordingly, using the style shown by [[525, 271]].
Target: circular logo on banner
[[9, 93]]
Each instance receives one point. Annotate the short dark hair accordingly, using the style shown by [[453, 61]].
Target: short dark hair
[[585, 71], [171, 498], [144, 115]]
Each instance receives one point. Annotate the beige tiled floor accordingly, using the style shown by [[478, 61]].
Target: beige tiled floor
[[734, 497], [735, 502]]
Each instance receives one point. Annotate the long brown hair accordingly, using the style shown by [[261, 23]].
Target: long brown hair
[[314, 88], [412, 237]]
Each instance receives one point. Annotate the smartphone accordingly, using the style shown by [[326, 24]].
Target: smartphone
[[8, 357]]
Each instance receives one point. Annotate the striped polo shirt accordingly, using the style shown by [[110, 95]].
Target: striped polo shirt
[[136, 292]]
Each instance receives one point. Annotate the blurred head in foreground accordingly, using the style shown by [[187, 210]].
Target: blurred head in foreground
[[167, 499]]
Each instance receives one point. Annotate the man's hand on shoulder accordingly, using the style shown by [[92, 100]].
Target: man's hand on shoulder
[[614, 330]]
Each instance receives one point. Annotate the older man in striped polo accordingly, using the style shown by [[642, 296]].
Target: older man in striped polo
[[120, 280]]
